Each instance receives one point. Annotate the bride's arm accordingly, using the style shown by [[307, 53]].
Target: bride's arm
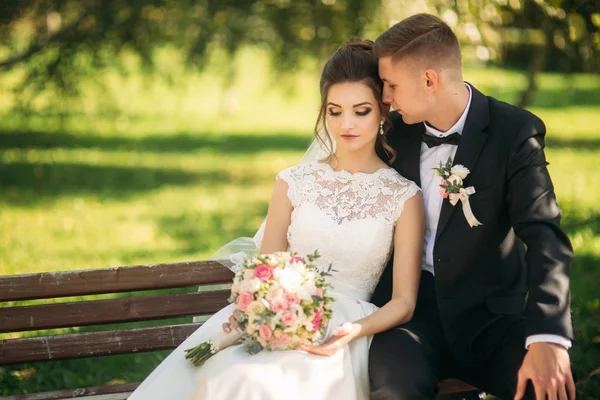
[[278, 220], [408, 251], [275, 237]]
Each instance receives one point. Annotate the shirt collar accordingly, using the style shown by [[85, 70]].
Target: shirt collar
[[458, 126]]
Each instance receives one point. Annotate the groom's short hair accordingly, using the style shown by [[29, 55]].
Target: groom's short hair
[[422, 36]]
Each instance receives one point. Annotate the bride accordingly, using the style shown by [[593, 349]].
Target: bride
[[354, 209]]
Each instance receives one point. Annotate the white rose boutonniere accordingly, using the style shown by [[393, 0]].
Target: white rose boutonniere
[[452, 188]]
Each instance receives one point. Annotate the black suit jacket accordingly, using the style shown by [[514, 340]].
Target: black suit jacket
[[514, 266]]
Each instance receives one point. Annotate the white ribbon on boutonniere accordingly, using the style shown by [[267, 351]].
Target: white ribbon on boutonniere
[[452, 188]]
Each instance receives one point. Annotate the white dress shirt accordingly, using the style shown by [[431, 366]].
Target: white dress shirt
[[430, 185]]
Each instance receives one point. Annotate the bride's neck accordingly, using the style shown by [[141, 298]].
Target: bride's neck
[[353, 162]]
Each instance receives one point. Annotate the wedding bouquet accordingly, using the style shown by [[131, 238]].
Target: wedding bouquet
[[282, 303]]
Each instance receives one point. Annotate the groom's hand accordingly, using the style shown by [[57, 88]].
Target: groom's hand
[[548, 367]]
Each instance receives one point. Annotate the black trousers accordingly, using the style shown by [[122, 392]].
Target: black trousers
[[408, 361]]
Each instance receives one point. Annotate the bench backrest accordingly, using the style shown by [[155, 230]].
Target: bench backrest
[[18, 318]]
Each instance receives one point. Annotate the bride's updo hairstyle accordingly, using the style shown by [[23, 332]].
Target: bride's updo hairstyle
[[354, 62]]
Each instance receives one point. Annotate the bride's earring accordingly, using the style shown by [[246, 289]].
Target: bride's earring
[[381, 128]]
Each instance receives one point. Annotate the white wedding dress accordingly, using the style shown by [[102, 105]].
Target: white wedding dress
[[350, 220]]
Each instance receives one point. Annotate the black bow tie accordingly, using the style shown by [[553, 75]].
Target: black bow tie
[[432, 141]]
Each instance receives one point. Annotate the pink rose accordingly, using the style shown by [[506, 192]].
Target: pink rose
[[316, 322], [288, 318], [278, 305], [244, 300], [457, 180], [265, 332], [281, 340], [291, 298], [263, 272], [443, 192], [297, 259], [319, 292]]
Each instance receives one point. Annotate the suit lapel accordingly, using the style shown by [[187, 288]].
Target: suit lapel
[[472, 141]]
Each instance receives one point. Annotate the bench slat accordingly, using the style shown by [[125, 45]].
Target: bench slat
[[108, 392], [112, 280], [96, 312], [450, 386], [94, 344]]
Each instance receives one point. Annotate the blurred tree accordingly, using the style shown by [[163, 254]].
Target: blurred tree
[[558, 35], [57, 42]]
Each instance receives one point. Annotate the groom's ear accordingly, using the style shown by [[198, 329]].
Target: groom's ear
[[431, 79]]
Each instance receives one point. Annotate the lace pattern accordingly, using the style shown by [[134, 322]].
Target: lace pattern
[[348, 218]]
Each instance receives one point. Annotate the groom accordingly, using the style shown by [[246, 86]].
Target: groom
[[494, 301]]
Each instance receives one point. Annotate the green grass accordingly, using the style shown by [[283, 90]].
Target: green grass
[[149, 173]]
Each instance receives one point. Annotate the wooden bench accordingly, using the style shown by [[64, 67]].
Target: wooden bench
[[20, 318]]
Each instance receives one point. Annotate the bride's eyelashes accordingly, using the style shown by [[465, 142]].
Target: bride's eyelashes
[[362, 113]]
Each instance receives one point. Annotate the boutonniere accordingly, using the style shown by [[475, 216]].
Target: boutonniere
[[452, 188]]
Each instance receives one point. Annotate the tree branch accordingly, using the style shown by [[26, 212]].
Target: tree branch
[[40, 44]]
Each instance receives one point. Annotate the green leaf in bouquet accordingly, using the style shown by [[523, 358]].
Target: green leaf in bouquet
[[253, 346], [449, 164], [328, 271], [440, 172], [314, 256], [317, 300]]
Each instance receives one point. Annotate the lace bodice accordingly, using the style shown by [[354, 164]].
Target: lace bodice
[[348, 218]]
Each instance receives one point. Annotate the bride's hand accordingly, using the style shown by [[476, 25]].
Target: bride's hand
[[340, 337], [232, 325]]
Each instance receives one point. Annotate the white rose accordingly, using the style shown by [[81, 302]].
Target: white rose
[[310, 287], [290, 280], [277, 273], [250, 285], [308, 325], [304, 294], [455, 179], [460, 170]]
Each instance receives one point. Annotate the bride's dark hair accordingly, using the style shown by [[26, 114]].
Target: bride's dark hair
[[354, 62]]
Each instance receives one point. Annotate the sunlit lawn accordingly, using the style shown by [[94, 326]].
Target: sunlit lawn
[[171, 177]]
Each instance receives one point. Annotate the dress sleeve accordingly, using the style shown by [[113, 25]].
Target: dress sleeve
[[288, 176], [406, 190]]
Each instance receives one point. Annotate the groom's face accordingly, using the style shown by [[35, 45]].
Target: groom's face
[[404, 89]]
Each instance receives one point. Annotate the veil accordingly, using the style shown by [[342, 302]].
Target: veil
[[232, 254]]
